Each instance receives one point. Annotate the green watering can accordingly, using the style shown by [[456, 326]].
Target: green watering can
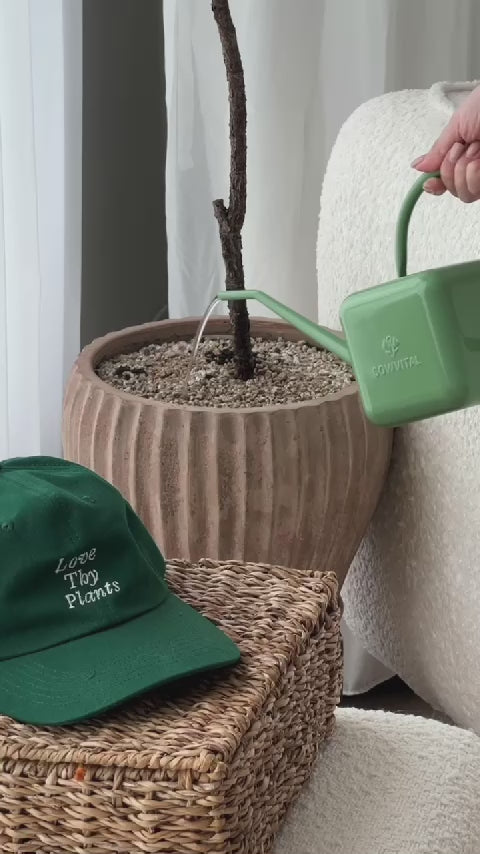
[[413, 343]]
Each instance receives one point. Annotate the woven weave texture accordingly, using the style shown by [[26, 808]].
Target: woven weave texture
[[204, 766]]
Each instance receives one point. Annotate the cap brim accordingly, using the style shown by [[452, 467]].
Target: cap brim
[[89, 675]]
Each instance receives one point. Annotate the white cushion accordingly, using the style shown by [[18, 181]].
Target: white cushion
[[389, 784]]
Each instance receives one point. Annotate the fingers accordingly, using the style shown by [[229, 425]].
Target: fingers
[[437, 186], [460, 173], [473, 170], [451, 166], [460, 183], [432, 161]]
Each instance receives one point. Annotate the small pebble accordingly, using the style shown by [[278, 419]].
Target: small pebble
[[286, 372]]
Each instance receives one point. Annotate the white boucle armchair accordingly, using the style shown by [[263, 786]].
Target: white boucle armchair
[[412, 596]]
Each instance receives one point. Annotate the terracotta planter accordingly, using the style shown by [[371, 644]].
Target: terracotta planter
[[293, 485]]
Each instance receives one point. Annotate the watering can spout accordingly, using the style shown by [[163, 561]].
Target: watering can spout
[[319, 334]]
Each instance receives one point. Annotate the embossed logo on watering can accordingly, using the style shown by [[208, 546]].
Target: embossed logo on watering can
[[391, 346]]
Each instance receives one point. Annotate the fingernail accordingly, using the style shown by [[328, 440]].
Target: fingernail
[[473, 149], [417, 161], [456, 152]]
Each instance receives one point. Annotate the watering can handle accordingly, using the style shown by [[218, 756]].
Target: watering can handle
[[401, 239]]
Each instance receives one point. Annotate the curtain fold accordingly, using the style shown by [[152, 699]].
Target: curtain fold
[[40, 217]]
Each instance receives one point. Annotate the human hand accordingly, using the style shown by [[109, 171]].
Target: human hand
[[456, 154]]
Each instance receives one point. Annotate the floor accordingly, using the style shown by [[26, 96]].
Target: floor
[[394, 696]]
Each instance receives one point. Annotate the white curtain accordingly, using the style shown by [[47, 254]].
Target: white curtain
[[40, 217], [307, 64], [286, 148]]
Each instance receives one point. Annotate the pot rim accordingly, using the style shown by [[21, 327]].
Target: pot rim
[[142, 334]]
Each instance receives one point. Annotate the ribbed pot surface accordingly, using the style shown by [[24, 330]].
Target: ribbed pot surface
[[291, 485]]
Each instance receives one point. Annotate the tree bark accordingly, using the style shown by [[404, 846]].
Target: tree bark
[[230, 220]]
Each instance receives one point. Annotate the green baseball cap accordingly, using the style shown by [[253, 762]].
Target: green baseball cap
[[87, 620]]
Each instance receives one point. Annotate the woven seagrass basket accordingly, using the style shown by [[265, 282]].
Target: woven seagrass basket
[[201, 767]]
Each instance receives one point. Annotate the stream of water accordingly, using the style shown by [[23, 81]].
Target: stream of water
[[199, 334]]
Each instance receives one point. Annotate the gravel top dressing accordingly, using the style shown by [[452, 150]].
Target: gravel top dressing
[[286, 372]]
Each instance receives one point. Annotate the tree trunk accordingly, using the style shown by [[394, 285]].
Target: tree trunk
[[231, 219]]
